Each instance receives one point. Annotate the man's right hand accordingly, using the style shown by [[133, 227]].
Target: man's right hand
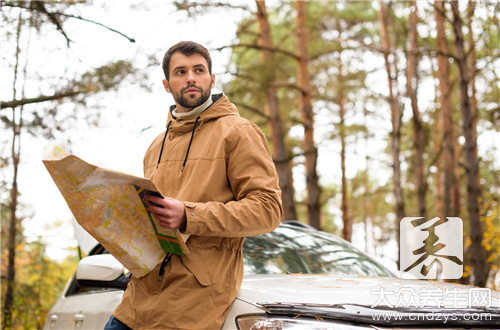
[[169, 212]]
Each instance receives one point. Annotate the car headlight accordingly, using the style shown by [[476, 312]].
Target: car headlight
[[263, 322]]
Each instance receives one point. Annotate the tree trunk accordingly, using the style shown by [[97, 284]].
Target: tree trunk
[[471, 6], [346, 218], [310, 151], [418, 133], [367, 211], [347, 228], [437, 140], [472, 67], [439, 172], [11, 269], [15, 154], [276, 128], [443, 70], [396, 115], [470, 154]]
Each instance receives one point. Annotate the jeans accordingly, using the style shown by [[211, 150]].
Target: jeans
[[115, 324]]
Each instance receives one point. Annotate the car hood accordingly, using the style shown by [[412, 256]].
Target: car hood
[[356, 298]]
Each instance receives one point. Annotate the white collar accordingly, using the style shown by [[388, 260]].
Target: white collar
[[195, 111]]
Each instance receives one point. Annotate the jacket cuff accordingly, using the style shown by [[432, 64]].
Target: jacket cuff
[[193, 224]]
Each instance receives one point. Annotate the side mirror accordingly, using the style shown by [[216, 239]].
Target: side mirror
[[101, 271]]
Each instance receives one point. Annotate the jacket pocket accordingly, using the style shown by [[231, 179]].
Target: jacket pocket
[[197, 267]]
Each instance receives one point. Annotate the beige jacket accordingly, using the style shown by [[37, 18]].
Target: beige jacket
[[229, 186]]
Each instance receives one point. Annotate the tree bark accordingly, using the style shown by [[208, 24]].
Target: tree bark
[[418, 133], [367, 211], [438, 175], [449, 154], [347, 229], [346, 218], [311, 153], [11, 269], [437, 159], [15, 154], [272, 106], [470, 153], [472, 66], [396, 115]]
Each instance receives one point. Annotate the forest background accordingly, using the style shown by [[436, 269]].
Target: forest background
[[374, 110]]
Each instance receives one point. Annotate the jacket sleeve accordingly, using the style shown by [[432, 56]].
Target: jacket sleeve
[[252, 177]]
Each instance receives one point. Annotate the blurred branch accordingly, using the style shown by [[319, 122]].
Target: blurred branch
[[97, 23], [250, 108], [260, 47], [431, 52], [188, 5], [285, 84], [292, 156], [40, 6], [442, 13], [104, 78], [53, 17], [241, 75], [41, 98]]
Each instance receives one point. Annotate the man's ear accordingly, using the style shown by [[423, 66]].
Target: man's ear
[[166, 85], [213, 80]]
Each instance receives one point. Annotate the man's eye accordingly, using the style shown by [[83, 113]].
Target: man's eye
[[179, 72], [200, 70]]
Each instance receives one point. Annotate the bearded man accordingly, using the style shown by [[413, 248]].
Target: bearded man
[[220, 183]]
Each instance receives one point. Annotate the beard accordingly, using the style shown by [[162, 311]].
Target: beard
[[188, 101]]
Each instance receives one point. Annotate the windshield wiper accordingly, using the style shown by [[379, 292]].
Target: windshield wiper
[[403, 316]]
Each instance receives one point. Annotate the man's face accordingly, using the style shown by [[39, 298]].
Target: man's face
[[190, 81]]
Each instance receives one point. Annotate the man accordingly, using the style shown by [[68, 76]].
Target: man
[[220, 183]]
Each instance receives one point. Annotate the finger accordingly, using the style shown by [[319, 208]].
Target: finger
[[153, 208], [162, 219], [154, 199], [166, 224]]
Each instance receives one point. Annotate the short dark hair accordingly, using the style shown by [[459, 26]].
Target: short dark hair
[[186, 48]]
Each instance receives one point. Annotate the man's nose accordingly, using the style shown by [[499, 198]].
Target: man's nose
[[190, 77]]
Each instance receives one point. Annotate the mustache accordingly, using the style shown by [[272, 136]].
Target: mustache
[[190, 86]]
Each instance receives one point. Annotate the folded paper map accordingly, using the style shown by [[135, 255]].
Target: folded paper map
[[110, 206]]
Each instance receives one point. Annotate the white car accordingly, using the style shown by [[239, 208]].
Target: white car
[[298, 278]]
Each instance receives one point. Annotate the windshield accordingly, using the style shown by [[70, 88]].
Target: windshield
[[297, 250]]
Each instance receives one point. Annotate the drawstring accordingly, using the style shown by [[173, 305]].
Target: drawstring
[[164, 263], [189, 146], [163, 143]]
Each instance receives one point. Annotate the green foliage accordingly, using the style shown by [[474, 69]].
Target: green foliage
[[39, 282], [106, 77], [490, 218]]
